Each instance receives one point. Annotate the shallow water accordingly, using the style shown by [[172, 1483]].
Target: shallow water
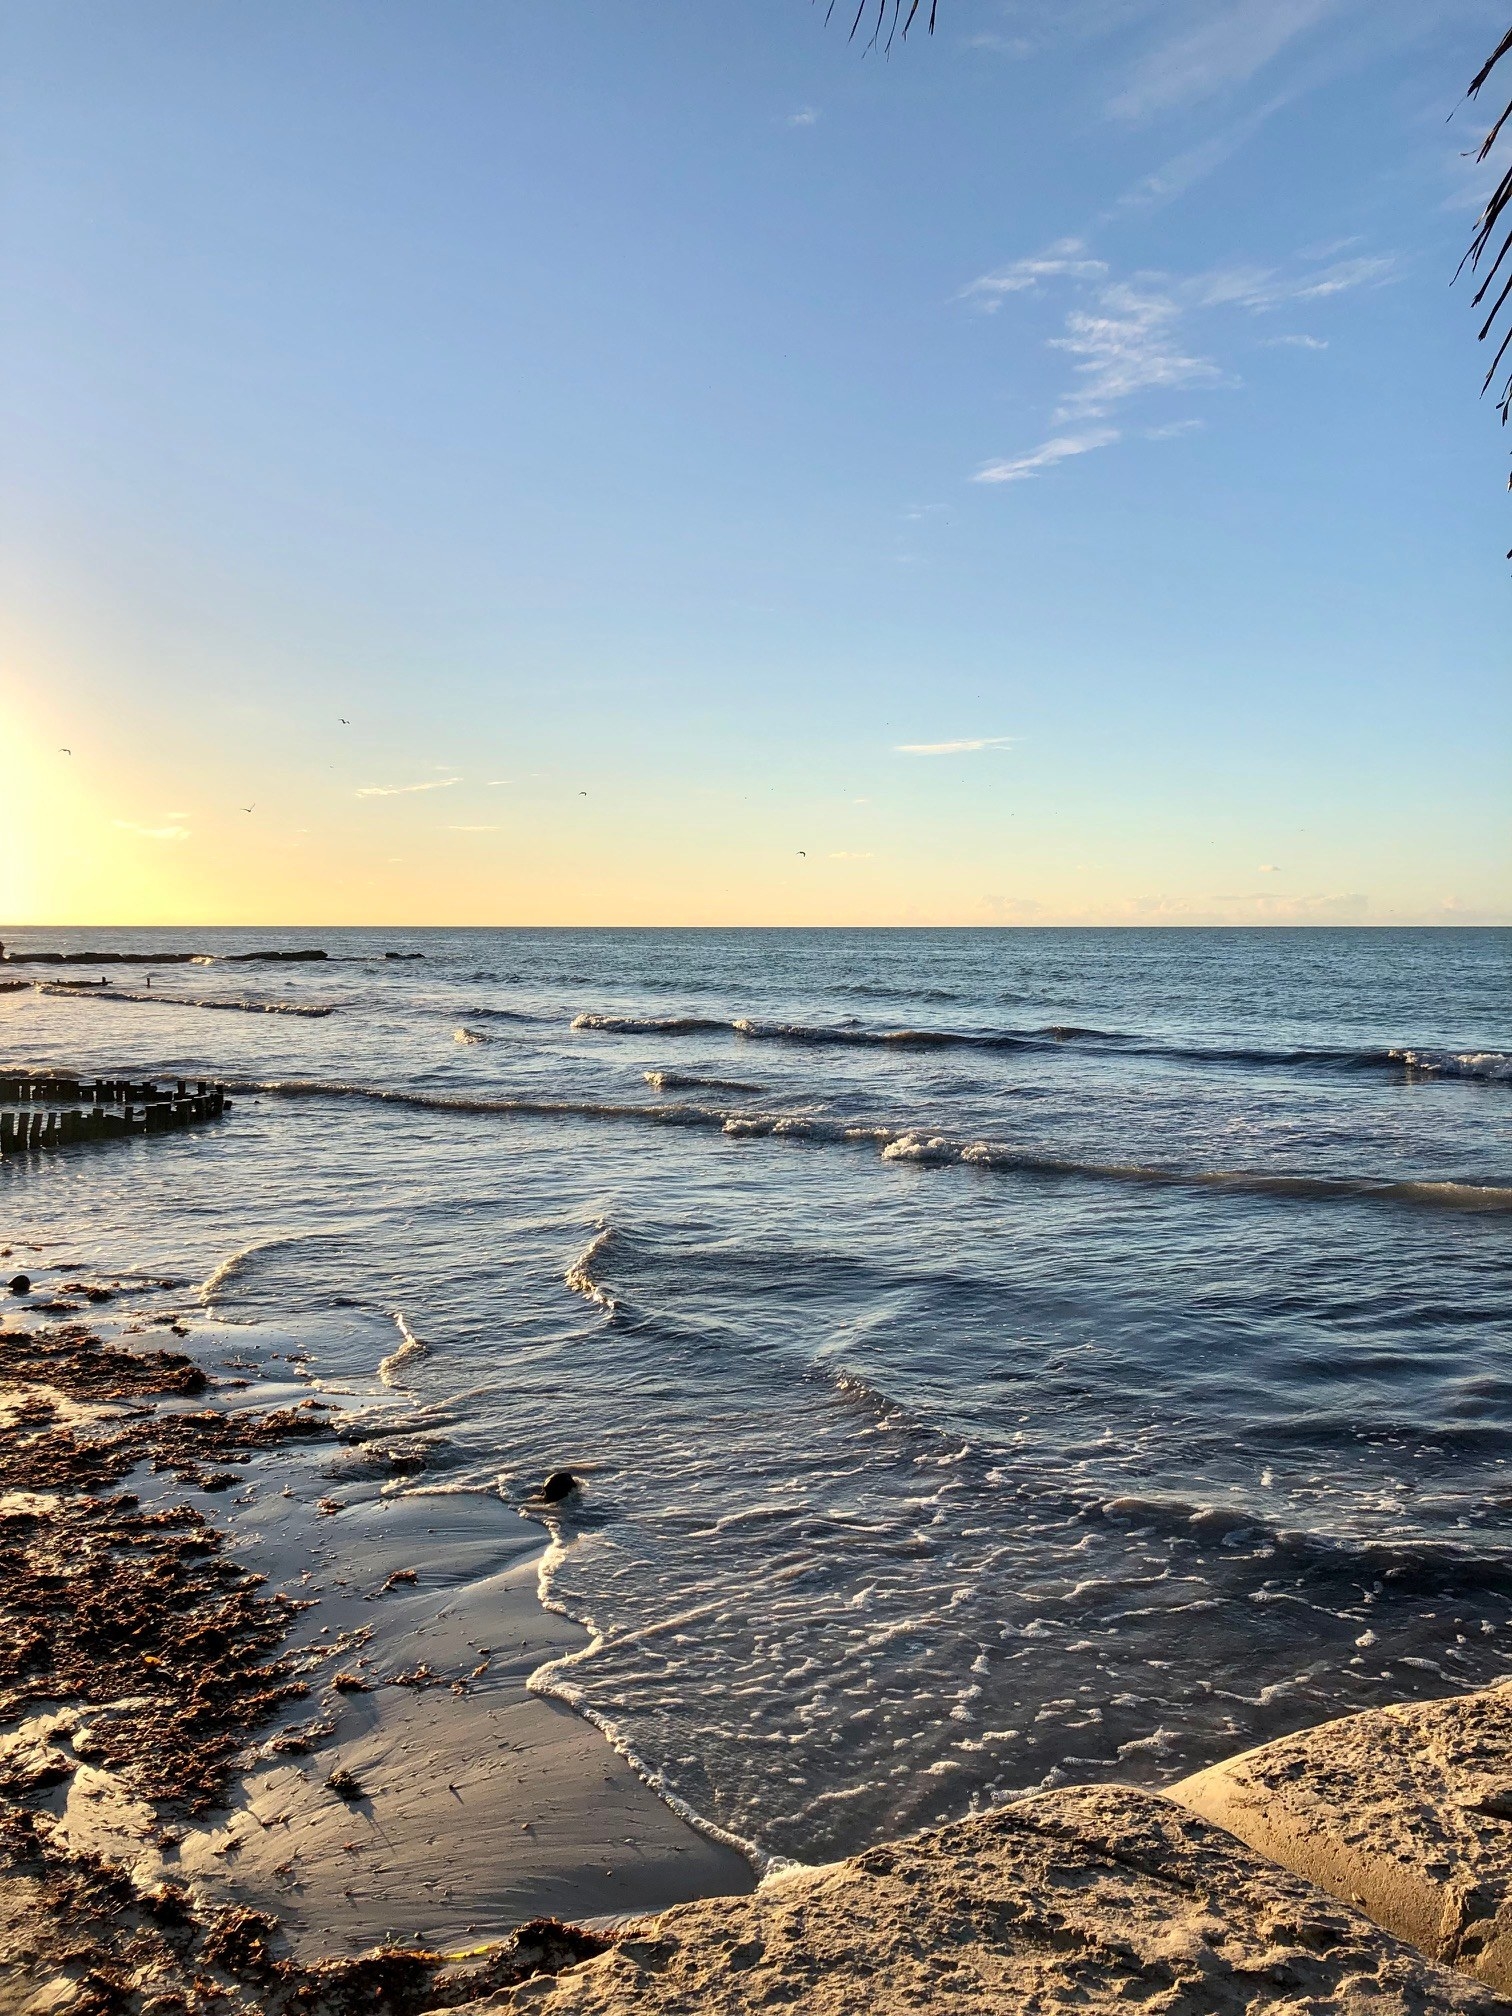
[[996, 1358]]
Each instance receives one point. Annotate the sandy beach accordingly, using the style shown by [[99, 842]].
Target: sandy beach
[[482, 1804], [272, 1739], [917, 1495], [411, 1791]]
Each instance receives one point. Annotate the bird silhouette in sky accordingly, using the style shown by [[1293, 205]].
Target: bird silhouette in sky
[[250, 808], [582, 794], [343, 720], [65, 752], [802, 854]]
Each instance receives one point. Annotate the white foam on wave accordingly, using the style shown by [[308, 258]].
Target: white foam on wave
[[912, 1144], [236, 1004], [689, 1081], [412, 1347], [579, 1276], [1494, 1065], [556, 1680], [649, 1025], [465, 1035], [229, 1270]]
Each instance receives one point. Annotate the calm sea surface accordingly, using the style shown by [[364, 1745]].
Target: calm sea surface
[[995, 1358]]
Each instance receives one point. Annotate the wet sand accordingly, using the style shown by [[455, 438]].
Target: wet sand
[[335, 1730], [482, 1804]]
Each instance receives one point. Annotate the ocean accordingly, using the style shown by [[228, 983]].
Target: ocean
[[994, 1359]]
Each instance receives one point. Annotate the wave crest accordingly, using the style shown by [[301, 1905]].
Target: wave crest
[[238, 1005], [580, 1276], [912, 1144]]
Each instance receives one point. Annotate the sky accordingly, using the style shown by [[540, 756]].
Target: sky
[[562, 461]]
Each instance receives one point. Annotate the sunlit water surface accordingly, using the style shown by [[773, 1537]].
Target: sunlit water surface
[[995, 1358]]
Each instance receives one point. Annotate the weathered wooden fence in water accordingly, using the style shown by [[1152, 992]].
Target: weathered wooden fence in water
[[46, 1112]]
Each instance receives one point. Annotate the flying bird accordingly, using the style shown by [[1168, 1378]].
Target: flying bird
[[582, 794], [250, 808], [802, 854], [343, 720], [65, 752]]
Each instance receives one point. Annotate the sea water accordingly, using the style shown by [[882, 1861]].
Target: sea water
[[994, 1358]]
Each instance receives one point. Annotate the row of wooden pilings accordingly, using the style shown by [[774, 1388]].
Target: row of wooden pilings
[[106, 1108]]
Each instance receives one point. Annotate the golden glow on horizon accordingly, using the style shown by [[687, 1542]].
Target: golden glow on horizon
[[143, 824]]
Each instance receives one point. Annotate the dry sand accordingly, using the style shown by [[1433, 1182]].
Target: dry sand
[[1405, 1811], [1101, 1898]]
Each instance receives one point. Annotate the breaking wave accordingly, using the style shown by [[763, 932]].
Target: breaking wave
[[690, 1081], [1491, 1064], [580, 1277], [230, 1271], [237, 1005], [650, 1025], [505, 1014], [411, 1347], [917, 1145], [1486, 1064]]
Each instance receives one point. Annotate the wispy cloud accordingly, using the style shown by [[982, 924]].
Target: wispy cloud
[[1228, 45], [153, 832], [1060, 448], [845, 856], [806, 115], [1259, 288], [967, 746], [1127, 338], [474, 829], [1015, 46], [1294, 343], [1065, 260], [404, 790], [1130, 342]]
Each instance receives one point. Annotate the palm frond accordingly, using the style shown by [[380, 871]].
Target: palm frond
[[1491, 246], [899, 24]]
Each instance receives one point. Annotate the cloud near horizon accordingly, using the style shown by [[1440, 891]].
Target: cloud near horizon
[[403, 790], [965, 747], [152, 832]]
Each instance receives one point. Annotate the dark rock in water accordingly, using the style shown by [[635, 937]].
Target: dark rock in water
[[559, 1485], [20, 1284], [245, 958], [404, 955]]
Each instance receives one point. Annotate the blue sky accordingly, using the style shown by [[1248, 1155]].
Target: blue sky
[[571, 461]]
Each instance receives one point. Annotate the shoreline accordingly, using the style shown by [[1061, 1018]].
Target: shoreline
[[408, 1627], [355, 1798]]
